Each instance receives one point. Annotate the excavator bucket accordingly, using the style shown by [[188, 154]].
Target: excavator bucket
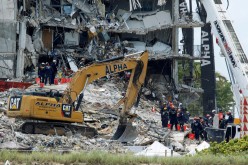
[[125, 133]]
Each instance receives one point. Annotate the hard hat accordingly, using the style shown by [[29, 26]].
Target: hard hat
[[207, 115], [54, 60], [43, 63], [213, 110]]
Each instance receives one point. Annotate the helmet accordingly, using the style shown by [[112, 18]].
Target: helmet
[[207, 115], [54, 60], [213, 111]]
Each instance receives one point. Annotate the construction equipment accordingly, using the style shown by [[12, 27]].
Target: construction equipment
[[236, 60], [58, 113]]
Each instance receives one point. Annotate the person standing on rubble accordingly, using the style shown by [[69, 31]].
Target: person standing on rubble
[[42, 72], [173, 117], [48, 73], [181, 119], [54, 71], [203, 133], [196, 127], [187, 116], [164, 115]]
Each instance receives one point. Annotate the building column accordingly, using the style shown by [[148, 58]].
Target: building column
[[21, 47], [175, 38]]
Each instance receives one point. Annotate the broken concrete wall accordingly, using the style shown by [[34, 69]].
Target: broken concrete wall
[[7, 61], [7, 10], [7, 38], [163, 35], [71, 38], [147, 5]]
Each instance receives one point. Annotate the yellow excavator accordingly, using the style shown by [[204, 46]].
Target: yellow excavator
[[56, 113]]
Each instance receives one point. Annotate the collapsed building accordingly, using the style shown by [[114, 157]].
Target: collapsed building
[[75, 32]]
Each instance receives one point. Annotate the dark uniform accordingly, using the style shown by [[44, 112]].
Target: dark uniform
[[42, 72], [230, 131], [196, 128], [164, 116], [186, 116], [203, 133], [48, 74], [173, 117], [181, 119], [54, 71]]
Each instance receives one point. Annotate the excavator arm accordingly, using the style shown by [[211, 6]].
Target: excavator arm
[[136, 64]]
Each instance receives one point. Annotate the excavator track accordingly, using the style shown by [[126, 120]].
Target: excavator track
[[57, 128]]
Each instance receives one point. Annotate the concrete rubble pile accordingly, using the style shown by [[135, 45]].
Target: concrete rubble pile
[[99, 99]]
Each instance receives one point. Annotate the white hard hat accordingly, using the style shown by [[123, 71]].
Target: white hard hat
[[213, 110], [54, 60]]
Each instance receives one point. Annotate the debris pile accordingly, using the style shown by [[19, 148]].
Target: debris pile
[[97, 105]]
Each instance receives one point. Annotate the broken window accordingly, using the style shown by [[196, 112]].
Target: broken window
[[56, 4], [67, 9]]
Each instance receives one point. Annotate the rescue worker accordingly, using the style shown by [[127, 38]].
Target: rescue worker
[[230, 132], [203, 133], [186, 116], [213, 113], [173, 117], [164, 115], [196, 127], [48, 74], [42, 72], [208, 120], [222, 124], [54, 71], [230, 118], [181, 119]]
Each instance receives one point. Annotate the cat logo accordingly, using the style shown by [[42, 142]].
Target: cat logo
[[66, 110], [14, 103], [66, 107]]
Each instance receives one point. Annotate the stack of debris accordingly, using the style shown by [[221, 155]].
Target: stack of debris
[[99, 99]]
